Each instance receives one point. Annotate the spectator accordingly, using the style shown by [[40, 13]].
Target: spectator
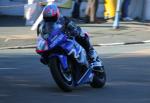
[[76, 9], [125, 7], [91, 10], [109, 9]]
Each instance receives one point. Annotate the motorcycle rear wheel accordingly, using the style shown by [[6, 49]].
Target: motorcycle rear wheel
[[63, 79], [99, 79]]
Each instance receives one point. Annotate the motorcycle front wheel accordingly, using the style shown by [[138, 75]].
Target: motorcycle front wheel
[[62, 77]]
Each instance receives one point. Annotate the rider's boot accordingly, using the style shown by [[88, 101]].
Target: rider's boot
[[44, 59], [95, 61]]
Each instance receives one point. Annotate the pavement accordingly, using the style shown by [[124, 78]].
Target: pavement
[[14, 34]]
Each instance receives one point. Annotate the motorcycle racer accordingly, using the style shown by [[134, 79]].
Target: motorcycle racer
[[52, 19]]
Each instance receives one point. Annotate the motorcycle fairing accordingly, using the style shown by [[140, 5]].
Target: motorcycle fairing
[[55, 40], [73, 49]]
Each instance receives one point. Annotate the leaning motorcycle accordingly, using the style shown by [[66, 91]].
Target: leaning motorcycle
[[68, 62]]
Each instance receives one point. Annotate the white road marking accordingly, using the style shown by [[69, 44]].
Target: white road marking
[[4, 95], [7, 68]]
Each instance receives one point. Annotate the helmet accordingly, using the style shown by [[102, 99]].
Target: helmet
[[51, 13]]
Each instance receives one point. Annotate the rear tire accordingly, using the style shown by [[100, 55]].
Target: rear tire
[[99, 79], [64, 81]]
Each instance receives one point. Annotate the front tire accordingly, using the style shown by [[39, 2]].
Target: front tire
[[63, 79]]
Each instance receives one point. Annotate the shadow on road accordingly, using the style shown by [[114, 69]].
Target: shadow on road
[[12, 21]]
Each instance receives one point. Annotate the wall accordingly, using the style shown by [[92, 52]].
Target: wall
[[12, 7], [147, 10], [136, 9]]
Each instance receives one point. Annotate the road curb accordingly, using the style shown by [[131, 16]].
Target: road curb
[[123, 43], [19, 47], [106, 44]]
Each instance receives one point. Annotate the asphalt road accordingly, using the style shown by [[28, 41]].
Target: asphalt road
[[24, 80]]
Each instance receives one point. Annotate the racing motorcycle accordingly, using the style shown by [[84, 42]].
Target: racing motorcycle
[[68, 62]]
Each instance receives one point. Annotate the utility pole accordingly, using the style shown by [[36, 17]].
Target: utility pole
[[117, 15]]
